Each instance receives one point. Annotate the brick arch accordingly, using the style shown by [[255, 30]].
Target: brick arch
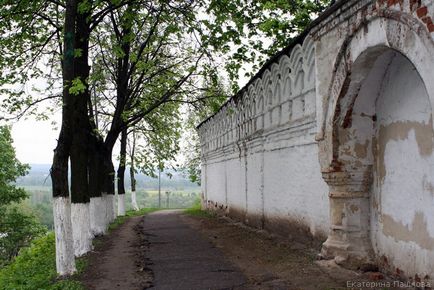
[[389, 29], [350, 181]]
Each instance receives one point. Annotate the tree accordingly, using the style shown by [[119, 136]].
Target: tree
[[146, 65], [17, 229], [249, 32], [131, 153], [155, 141], [144, 55]]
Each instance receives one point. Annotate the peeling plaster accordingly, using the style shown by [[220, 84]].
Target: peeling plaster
[[400, 131], [361, 150], [417, 232]]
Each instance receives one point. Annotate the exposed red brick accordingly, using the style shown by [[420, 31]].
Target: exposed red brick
[[431, 27], [414, 4], [426, 19], [398, 272], [375, 276], [422, 11]]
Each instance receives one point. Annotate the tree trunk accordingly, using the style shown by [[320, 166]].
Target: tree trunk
[[80, 198], [65, 262], [134, 204], [121, 173], [97, 205], [117, 124], [108, 183]]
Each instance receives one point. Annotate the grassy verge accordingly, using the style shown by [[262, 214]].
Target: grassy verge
[[196, 210], [35, 267], [131, 213]]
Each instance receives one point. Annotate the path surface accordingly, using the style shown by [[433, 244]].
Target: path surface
[[181, 258], [169, 250], [118, 262]]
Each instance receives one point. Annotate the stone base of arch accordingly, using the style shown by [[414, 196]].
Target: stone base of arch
[[349, 241]]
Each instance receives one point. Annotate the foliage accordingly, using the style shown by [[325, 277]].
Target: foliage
[[249, 32], [147, 64], [213, 99], [30, 37], [35, 268], [244, 33], [158, 141], [17, 228], [196, 210], [10, 170]]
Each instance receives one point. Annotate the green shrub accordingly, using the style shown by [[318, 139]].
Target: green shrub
[[18, 230], [35, 268], [196, 210]]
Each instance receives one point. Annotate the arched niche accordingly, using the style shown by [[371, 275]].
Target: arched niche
[[377, 138]]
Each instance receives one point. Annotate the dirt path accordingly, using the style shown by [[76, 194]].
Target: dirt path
[[274, 263], [181, 258], [169, 250], [118, 261]]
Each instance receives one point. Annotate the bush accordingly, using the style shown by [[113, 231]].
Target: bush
[[18, 230], [35, 268]]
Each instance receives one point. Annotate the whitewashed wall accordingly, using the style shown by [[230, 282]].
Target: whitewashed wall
[[375, 90], [259, 155], [402, 219], [365, 90]]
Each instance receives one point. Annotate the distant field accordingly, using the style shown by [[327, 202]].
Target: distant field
[[182, 192], [36, 188], [40, 200]]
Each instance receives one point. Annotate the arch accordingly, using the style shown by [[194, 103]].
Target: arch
[[284, 66], [268, 90], [276, 87], [390, 29], [371, 47]]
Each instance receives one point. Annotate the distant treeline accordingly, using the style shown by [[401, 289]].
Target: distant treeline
[[39, 175]]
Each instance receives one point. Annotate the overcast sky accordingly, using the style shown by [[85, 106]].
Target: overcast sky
[[34, 141]]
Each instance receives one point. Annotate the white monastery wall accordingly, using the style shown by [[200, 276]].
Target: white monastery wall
[[335, 137], [375, 89], [259, 151]]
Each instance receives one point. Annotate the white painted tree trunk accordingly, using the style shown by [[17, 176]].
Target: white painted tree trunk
[[121, 204], [80, 217], [114, 209], [134, 201], [65, 260], [98, 223], [110, 208]]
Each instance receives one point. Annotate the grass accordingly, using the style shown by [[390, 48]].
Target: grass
[[35, 266], [131, 213], [196, 210]]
